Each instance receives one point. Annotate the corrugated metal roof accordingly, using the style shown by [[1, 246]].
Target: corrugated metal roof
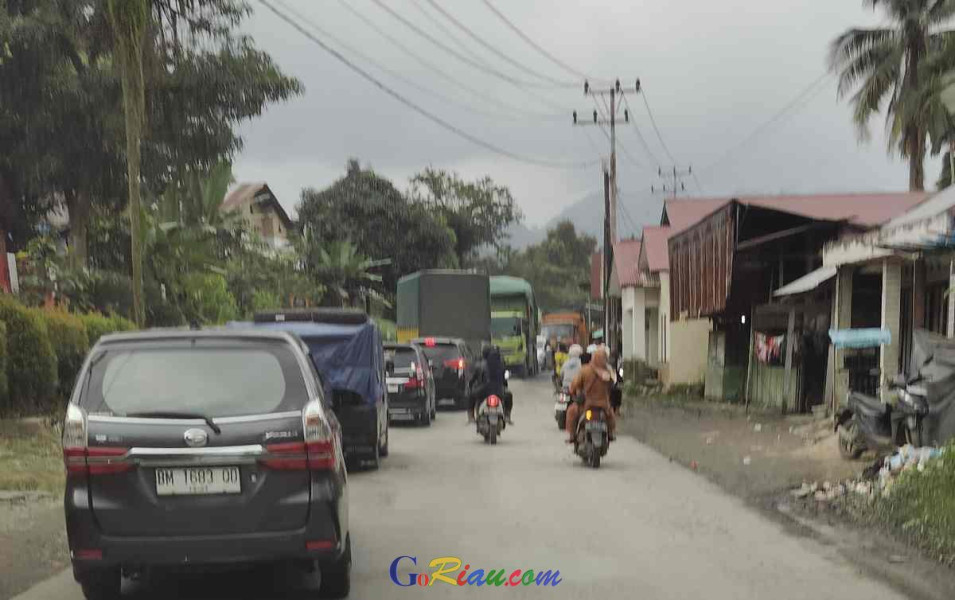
[[867, 210], [626, 262]]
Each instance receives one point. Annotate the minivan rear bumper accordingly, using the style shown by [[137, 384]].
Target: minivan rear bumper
[[92, 549]]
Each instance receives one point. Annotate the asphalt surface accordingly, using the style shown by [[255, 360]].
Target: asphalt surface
[[639, 527]]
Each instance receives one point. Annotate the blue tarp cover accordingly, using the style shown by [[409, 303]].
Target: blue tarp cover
[[348, 357], [860, 338]]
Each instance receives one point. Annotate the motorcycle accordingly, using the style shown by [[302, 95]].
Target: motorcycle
[[560, 408], [593, 437], [868, 423], [490, 420]]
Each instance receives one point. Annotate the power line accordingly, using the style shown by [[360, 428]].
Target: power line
[[536, 46], [805, 93], [470, 33], [437, 70], [423, 112], [385, 69], [653, 122], [643, 141], [478, 65]]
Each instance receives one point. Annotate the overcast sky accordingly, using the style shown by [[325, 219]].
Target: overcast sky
[[711, 71]]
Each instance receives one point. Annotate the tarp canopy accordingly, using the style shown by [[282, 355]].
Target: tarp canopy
[[860, 338], [807, 282], [348, 357]]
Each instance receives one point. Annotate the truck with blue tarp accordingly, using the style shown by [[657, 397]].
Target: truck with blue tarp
[[346, 349], [514, 323]]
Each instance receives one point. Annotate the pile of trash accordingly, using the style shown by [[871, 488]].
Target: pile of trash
[[877, 479]]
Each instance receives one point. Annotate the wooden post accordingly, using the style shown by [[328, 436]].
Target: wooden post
[[790, 330]]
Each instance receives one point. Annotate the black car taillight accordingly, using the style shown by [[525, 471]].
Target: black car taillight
[[318, 452], [81, 459]]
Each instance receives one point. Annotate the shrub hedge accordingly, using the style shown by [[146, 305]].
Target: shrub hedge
[[3, 365], [70, 343], [97, 325], [31, 365], [41, 351]]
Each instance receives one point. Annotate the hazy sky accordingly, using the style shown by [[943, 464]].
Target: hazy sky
[[712, 72]]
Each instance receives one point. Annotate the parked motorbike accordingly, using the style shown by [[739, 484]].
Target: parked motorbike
[[560, 408], [868, 423], [593, 437]]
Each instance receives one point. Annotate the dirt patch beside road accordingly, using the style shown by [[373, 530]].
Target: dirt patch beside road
[[32, 535], [752, 455], [761, 457]]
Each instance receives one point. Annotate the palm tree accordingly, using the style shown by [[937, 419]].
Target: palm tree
[[128, 19], [887, 63], [341, 268]]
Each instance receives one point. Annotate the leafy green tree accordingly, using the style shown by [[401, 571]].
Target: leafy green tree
[[555, 267], [479, 212], [890, 67], [367, 210]]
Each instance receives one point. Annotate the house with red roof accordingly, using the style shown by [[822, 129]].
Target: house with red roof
[[257, 205], [728, 258], [626, 295]]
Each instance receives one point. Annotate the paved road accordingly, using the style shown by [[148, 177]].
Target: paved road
[[639, 527]]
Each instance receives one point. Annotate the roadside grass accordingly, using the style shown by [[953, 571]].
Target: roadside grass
[[922, 506], [30, 457]]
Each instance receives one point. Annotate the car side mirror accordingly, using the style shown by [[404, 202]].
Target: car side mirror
[[390, 367], [507, 375]]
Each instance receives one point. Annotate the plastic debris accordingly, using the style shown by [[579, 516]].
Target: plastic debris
[[747, 460], [758, 427]]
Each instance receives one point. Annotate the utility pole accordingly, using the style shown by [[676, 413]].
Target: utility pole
[[672, 181], [613, 96]]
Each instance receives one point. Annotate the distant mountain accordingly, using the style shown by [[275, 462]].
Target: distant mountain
[[587, 214]]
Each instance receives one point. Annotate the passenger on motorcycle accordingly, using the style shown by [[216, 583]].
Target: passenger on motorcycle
[[571, 367], [488, 379], [595, 381]]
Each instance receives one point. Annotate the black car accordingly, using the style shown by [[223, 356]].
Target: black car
[[195, 448], [451, 364], [411, 395]]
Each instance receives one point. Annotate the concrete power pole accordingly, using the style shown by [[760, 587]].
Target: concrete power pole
[[612, 95]]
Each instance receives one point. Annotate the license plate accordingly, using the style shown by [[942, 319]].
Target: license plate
[[399, 411], [392, 388], [197, 481], [445, 401]]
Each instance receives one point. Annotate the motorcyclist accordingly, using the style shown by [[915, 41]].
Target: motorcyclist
[[488, 379], [572, 366], [594, 381]]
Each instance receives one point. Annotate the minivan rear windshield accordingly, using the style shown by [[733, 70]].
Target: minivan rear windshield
[[442, 352], [221, 380], [401, 357]]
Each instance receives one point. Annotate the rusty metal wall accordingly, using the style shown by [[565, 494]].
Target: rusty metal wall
[[701, 265]]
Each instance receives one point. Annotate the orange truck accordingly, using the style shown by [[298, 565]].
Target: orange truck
[[565, 327]]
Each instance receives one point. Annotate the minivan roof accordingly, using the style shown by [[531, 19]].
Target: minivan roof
[[180, 333], [304, 329]]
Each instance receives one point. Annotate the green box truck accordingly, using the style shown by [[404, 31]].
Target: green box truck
[[514, 323]]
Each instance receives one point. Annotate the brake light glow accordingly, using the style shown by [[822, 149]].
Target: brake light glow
[[414, 383], [455, 363], [88, 554], [319, 544], [429, 342], [493, 401]]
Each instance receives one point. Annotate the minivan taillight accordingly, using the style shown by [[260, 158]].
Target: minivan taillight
[[317, 453], [81, 459]]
